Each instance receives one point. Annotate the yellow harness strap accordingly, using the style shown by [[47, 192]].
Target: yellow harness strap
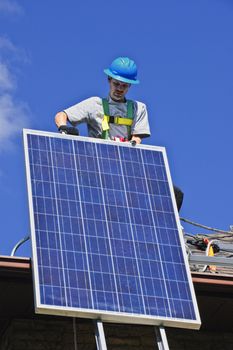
[[117, 120], [105, 125]]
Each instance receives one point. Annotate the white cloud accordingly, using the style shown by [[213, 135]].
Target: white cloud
[[14, 116], [10, 7], [14, 113], [6, 44], [12, 53], [10, 57], [7, 80]]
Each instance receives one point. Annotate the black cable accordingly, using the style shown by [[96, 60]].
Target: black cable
[[206, 227]]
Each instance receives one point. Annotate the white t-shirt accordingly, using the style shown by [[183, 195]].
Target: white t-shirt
[[90, 111]]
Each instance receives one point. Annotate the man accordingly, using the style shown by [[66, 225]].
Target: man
[[115, 117]]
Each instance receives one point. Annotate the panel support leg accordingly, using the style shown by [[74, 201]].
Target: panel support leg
[[161, 338], [99, 335], [75, 334]]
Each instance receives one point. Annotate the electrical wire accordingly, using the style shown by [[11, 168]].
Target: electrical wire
[[230, 233], [219, 236]]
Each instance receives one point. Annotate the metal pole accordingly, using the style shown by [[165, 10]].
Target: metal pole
[[75, 334], [210, 260], [99, 335], [161, 338]]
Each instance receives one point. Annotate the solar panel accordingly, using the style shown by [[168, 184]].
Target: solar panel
[[105, 232]]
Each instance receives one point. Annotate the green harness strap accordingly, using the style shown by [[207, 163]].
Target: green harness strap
[[105, 106], [105, 133]]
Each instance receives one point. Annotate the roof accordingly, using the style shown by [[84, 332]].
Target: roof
[[220, 245], [16, 292]]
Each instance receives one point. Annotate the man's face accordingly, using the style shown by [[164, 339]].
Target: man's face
[[118, 90]]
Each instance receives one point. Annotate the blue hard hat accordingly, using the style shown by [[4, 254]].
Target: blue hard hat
[[123, 69]]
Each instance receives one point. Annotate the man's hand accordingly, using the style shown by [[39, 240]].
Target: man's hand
[[70, 130], [133, 142], [61, 120], [136, 140]]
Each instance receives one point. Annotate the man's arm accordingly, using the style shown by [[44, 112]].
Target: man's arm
[[140, 128], [61, 119]]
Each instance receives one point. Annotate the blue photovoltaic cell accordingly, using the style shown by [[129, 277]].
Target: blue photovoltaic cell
[[105, 231]]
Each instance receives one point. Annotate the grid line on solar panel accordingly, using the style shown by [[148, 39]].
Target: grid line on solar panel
[[102, 189], [115, 249], [59, 230], [44, 204], [146, 189]]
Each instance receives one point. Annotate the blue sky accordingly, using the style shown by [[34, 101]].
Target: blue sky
[[52, 55]]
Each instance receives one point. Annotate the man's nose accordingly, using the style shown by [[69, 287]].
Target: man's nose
[[120, 88]]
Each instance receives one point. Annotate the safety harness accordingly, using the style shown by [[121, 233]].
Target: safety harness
[[128, 121]]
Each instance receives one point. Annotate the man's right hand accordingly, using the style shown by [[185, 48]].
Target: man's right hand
[[61, 120], [70, 130]]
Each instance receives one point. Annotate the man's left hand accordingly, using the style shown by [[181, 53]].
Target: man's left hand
[[137, 139]]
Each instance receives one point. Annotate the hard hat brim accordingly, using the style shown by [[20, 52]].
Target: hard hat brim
[[120, 78]]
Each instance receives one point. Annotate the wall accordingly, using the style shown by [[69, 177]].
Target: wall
[[57, 333]]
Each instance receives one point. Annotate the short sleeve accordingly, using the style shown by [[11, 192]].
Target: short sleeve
[[140, 124], [81, 112]]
